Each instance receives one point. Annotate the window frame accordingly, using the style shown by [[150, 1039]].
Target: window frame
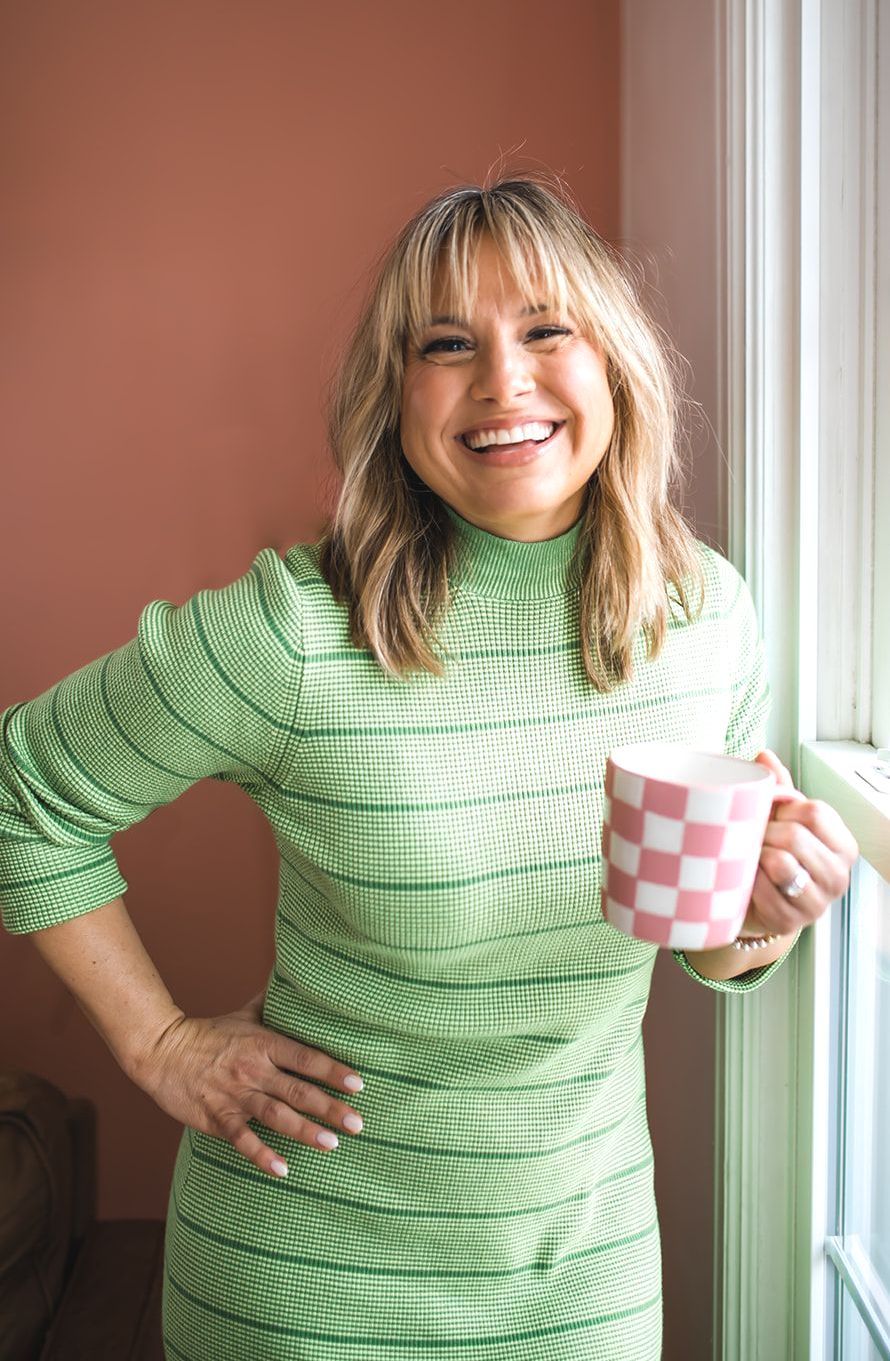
[[798, 402]]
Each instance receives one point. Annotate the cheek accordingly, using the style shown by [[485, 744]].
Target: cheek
[[597, 403], [424, 409]]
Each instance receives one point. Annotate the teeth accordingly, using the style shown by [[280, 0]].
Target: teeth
[[535, 430]]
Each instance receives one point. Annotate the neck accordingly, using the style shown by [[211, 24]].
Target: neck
[[514, 569]]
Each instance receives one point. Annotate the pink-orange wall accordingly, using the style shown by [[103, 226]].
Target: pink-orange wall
[[192, 195], [671, 218]]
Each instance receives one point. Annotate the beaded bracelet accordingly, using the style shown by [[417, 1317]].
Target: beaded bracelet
[[753, 942]]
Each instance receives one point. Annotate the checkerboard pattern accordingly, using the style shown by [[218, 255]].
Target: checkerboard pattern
[[679, 864]]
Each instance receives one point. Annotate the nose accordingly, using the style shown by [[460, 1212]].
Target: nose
[[501, 371]]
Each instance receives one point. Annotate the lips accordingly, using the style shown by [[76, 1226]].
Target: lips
[[513, 455], [509, 435]]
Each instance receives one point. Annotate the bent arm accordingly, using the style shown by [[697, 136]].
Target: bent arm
[[215, 1074], [102, 960]]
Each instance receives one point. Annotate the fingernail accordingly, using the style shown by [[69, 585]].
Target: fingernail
[[353, 1123], [278, 1167], [327, 1139], [353, 1083]]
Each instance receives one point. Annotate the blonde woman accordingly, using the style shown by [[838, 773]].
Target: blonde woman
[[428, 1137]]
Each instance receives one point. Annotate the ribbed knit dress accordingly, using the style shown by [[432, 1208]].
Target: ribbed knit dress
[[438, 929]]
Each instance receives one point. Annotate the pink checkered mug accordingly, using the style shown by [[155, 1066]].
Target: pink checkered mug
[[682, 834]]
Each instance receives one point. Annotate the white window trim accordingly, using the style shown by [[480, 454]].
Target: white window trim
[[798, 387]]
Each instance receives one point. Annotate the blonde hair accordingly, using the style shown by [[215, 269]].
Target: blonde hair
[[389, 544]]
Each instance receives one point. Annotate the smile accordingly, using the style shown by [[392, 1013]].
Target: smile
[[519, 444], [536, 431]]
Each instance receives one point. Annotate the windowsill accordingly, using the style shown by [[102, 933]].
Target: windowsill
[[828, 771]]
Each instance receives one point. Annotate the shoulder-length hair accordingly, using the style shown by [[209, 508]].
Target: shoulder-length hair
[[389, 545]]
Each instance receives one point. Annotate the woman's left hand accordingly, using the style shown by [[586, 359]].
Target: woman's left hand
[[806, 847]]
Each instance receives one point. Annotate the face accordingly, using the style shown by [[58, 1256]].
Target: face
[[507, 413]]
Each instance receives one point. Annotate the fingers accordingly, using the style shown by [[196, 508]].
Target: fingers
[[771, 761], [302, 1058], [285, 1105], [773, 913], [802, 834], [243, 1139], [224, 1075], [811, 833], [821, 821], [283, 1102]]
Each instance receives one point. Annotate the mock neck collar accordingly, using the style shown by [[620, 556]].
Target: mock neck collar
[[513, 569]]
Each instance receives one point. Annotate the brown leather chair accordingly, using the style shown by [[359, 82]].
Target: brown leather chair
[[71, 1288]]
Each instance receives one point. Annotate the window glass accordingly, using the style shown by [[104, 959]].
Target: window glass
[[867, 1191], [864, 1184]]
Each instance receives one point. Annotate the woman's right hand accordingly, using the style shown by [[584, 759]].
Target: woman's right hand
[[215, 1074]]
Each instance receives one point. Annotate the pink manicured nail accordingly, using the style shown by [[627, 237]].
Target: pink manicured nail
[[353, 1123], [327, 1139], [353, 1083], [278, 1167]]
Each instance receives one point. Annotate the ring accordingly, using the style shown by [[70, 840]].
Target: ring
[[795, 887]]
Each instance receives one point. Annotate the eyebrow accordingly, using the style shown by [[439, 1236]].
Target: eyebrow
[[444, 320]]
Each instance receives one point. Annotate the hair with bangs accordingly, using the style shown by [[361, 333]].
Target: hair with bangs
[[388, 547]]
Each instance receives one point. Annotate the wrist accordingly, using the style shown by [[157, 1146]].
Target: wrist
[[727, 962], [746, 943], [139, 1057]]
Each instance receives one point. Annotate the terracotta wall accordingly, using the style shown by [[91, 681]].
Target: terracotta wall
[[671, 221], [192, 194]]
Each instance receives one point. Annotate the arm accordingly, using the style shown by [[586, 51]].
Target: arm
[[739, 647], [212, 1074], [204, 690]]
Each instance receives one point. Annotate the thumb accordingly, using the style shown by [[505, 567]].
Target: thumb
[[771, 761], [785, 789]]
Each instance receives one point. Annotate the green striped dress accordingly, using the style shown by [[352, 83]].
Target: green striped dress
[[438, 929]]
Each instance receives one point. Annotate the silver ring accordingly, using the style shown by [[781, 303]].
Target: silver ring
[[795, 887]]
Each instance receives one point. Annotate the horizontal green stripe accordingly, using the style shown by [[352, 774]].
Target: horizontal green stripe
[[509, 798], [559, 1084], [356, 657], [492, 1155], [248, 1173], [620, 707], [261, 1253], [389, 1341], [441, 885], [473, 985], [57, 877], [583, 924]]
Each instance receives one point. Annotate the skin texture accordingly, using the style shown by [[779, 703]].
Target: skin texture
[[503, 365]]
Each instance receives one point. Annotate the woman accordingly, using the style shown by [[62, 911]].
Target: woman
[[422, 704]]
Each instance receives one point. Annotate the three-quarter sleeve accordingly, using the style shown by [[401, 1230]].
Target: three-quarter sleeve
[[745, 732], [206, 688]]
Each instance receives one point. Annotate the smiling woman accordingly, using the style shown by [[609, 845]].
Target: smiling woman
[[422, 704], [507, 308]]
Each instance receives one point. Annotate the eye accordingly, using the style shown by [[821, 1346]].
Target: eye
[[547, 332], [444, 344]]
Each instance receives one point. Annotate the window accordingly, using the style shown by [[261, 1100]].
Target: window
[[859, 1249], [803, 1245]]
